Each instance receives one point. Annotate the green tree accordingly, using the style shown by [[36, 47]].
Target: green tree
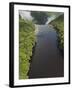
[[26, 42], [58, 23]]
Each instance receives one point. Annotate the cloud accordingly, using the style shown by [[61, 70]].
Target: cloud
[[25, 15]]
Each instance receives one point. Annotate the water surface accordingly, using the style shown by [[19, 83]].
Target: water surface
[[47, 60]]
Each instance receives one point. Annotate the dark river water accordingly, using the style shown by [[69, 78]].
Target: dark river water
[[47, 60]]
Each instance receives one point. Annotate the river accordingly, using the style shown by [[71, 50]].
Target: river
[[47, 60]]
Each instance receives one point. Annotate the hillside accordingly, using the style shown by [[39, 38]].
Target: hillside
[[58, 23], [26, 43]]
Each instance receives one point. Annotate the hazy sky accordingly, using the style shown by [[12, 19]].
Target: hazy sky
[[25, 14]]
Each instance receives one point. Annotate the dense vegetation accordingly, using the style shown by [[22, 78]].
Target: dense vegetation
[[58, 23], [26, 43], [39, 17]]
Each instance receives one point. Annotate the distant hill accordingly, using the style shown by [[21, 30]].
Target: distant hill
[[52, 16]]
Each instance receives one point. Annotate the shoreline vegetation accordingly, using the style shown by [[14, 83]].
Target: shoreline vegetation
[[27, 40], [58, 24]]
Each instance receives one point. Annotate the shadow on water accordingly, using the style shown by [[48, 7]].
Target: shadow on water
[[47, 60]]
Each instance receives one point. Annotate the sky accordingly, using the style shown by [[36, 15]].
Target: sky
[[25, 14]]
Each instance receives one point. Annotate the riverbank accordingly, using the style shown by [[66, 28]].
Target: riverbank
[[58, 24], [26, 44]]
